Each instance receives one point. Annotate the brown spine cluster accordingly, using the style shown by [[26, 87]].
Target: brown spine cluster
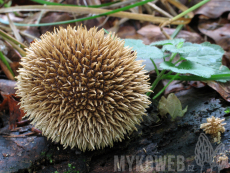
[[214, 126], [82, 89]]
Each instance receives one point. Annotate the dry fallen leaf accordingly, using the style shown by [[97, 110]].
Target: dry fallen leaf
[[153, 33], [176, 86], [54, 17], [11, 103], [222, 88], [171, 105], [221, 35], [213, 30], [214, 8], [226, 59]]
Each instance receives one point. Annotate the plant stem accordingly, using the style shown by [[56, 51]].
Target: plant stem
[[2, 57], [92, 6], [190, 9], [161, 75], [173, 77], [177, 30], [172, 57], [198, 78], [155, 66], [166, 74], [7, 37], [17, 47], [162, 90], [178, 61], [157, 80]]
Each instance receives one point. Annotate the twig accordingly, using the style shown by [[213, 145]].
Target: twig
[[102, 24], [165, 34], [116, 26], [85, 10], [28, 35], [181, 7], [20, 136], [20, 56], [6, 71], [14, 29], [169, 7], [181, 15], [120, 4], [7, 37], [8, 60], [21, 51], [8, 29], [40, 16], [148, 9], [189, 10], [159, 10], [5, 28]]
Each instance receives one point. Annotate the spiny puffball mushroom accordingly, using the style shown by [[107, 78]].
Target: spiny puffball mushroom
[[82, 89], [214, 126]]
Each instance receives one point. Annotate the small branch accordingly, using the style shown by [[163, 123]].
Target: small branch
[[165, 34], [14, 29], [170, 21], [7, 37], [15, 46], [101, 12], [181, 7], [6, 71], [190, 10], [159, 10], [20, 136], [169, 7], [102, 24]]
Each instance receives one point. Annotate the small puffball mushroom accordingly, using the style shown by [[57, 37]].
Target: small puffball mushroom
[[214, 126], [82, 89]]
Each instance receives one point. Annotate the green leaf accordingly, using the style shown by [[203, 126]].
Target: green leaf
[[220, 70], [171, 105], [183, 50], [168, 42], [145, 52], [204, 53], [227, 111], [189, 67], [203, 60], [179, 45]]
